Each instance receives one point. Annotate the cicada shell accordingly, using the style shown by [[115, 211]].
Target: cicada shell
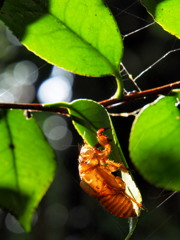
[[95, 170]]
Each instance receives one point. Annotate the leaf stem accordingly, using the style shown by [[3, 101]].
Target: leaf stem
[[119, 91], [132, 226]]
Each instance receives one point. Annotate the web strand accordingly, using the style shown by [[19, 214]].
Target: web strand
[[130, 77], [153, 64], [170, 196], [139, 29]]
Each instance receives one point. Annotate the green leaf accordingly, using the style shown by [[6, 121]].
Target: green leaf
[[78, 35], [155, 140], [88, 116], [166, 13], [27, 165]]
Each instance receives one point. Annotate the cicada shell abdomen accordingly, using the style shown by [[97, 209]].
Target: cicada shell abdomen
[[118, 205]]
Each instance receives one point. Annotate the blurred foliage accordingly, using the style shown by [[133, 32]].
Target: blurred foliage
[[27, 158]]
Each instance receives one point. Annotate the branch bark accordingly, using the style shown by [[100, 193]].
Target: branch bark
[[106, 103], [37, 107], [150, 92]]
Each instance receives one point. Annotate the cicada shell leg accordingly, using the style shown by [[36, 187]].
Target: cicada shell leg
[[88, 189]]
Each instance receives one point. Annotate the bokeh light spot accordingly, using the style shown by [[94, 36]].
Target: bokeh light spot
[[12, 224], [56, 130], [57, 71], [63, 143], [55, 89], [25, 72], [6, 96], [55, 125]]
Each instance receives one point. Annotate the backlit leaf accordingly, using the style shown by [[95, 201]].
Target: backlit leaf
[[88, 116], [166, 13], [27, 165], [78, 35], [155, 141]]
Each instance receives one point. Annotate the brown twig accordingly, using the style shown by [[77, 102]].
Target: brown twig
[[106, 103], [34, 107], [150, 92]]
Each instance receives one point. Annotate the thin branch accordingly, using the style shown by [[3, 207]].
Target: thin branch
[[125, 114], [34, 107], [150, 92], [106, 103]]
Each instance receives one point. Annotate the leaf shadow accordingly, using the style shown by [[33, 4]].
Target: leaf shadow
[[152, 5], [19, 16], [14, 201]]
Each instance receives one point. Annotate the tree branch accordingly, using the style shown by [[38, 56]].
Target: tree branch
[[150, 92], [34, 107], [106, 103]]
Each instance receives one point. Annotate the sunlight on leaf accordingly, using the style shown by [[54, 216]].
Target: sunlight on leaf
[[155, 141], [88, 116], [166, 13], [80, 36], [27, 165]]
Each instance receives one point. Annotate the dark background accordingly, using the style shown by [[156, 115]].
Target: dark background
[[66, 212]]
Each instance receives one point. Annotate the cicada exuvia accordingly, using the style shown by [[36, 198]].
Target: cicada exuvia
[[97, 179]]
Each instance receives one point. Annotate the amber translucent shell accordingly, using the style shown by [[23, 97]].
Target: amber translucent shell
[[110, 192], [118, 205], [97, 180]]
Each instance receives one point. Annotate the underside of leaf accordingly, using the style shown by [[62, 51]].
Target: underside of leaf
[[78, 35]]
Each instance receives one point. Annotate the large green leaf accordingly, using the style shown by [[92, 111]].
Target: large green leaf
[[27, 165], [166, 13], [78, 35], [88, 116], [155, 142]]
